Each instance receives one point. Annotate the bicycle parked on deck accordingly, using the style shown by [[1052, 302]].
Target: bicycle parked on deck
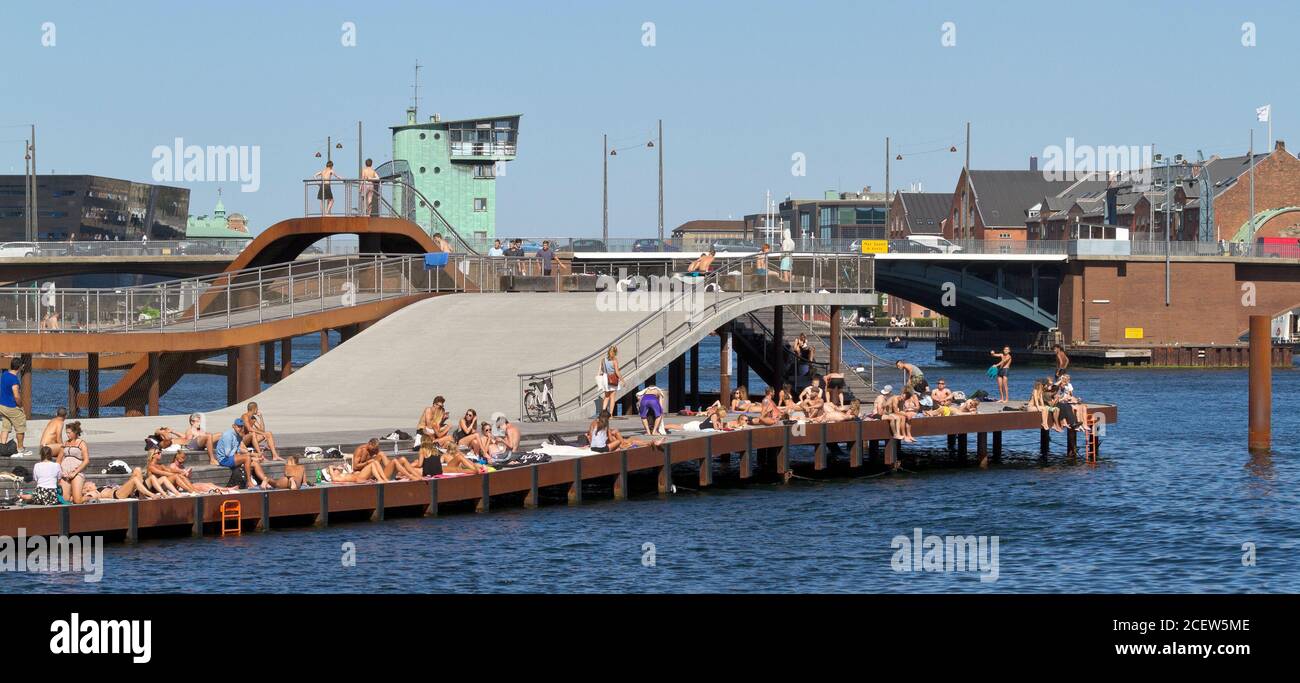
[[538, 404]]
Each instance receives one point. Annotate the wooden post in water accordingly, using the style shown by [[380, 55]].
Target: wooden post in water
[[92, 384], [1260, 406], [74, 388], [286, 357]]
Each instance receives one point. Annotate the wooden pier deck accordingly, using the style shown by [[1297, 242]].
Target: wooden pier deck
[[868, 444]]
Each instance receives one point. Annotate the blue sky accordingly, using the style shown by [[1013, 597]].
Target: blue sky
[[740, 86]]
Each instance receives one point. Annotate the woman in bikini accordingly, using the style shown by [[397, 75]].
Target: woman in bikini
[[132, 487], [468, 426], [710, 420], [73, 461], [740, 402], [785, 404], [434, 431], [153, 467], [1038, 403]]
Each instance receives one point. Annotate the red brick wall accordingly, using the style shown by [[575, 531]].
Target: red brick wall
[[1277, 184], [1206, 305]]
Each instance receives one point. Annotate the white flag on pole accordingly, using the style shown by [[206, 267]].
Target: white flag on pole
[[1263, 112]]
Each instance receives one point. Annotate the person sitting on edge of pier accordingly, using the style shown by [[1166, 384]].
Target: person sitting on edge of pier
[[196, 438], [812, 398], [701, 265], [650, 405], [878, 406], [256, 433], [910, 405], [52, 435], [433, 429], [893, 412], [231, 453], [1038, 403], [1065, 392]]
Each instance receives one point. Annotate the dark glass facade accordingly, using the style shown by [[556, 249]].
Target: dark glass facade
[[83, 207]]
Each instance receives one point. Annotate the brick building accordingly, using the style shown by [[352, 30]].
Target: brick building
[[916, 213], [994, 205]]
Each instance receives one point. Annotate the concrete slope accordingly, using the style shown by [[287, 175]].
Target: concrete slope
[[466, 347]]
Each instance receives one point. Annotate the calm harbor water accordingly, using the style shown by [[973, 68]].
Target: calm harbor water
[[1168, 510]]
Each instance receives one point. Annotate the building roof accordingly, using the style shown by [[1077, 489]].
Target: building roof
[[710, 225], [925, 211], [1004, 196]]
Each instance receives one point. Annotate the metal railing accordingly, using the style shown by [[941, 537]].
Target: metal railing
[[383, 198], [695, 300], [243, 297], [186, 247]]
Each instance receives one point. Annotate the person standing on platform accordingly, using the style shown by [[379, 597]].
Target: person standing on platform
[[369, 189], [1062, 360], [1003, 367], [12, 417], [325, 194], [545, 255], [787, 256]]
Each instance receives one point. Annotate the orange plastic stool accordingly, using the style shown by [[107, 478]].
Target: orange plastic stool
[[231, 517]]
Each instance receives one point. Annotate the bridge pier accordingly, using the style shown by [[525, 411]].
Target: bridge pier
[[92, 385], [676, 383], [695, 377], [151, 405], [268, 362], [324, 341], [27, 379], [74, 390], [724, 364], [246, 380], [232, 377], [286, 357], [833, 363]]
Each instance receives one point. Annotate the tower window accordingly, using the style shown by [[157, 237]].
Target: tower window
[[480, 203]]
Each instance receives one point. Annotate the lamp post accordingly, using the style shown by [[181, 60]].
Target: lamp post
[[1169, 208], [605, 174]]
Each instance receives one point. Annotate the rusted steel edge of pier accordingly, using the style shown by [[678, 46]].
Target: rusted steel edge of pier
[[260, 508]]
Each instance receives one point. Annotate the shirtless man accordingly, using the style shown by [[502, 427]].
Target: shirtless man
[[834, 413], [369, 452], [256, 433], [1003, 366], [812, 398], [768, 413], [941, 394], [701, 265], [893, 412], [52, 435], [878, 407], [1062, 360], [506, 434], [433, 427], [196, 439]]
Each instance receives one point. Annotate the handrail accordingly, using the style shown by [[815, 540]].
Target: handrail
[[771, 283], [869, 354], [380, 205]]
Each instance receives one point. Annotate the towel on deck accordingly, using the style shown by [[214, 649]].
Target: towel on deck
[[554, 450]]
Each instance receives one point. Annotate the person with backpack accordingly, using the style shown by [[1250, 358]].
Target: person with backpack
[[12, 417]]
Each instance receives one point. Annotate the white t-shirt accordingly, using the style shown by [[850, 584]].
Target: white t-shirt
[[47, 473]]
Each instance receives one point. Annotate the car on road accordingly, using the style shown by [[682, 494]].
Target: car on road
[[731, 244], [588, 245], [12, 249], [653, 245]]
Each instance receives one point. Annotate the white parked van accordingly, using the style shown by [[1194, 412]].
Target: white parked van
[[17, 249], [936, 241]]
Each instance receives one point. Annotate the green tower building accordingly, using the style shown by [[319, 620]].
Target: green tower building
[[454, 165]]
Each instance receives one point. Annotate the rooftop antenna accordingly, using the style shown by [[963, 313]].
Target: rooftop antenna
[[415, 89]]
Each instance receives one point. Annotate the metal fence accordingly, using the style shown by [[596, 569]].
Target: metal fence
[[244, 297], [686, 302], [187, 247]]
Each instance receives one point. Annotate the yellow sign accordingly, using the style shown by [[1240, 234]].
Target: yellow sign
[[1132, 333], [875, 246]]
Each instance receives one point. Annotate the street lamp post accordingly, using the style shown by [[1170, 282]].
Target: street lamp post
[[605, 175], [604, 221]]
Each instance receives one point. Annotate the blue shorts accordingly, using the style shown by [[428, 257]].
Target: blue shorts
[[226, 460]]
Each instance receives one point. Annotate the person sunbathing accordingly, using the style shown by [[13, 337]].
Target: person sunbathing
[[769, 412], [834, 413], [338, 474], [256, 435], [740, 402], [467, 426], [132, 487], [701, 265], [969, 406], [295, 475], [710, 420]]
